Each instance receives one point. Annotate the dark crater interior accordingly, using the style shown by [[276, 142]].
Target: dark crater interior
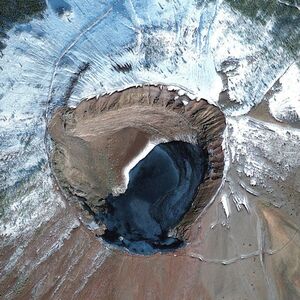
[[167, 190], [160, 191]]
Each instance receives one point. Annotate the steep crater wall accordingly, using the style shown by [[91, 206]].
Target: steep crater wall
[[143, 162]]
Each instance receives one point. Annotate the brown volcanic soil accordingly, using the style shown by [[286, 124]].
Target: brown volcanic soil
[[95, 141], [63, 260], [80, 267]]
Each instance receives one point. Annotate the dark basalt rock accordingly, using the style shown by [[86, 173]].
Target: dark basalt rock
[[160, 191]]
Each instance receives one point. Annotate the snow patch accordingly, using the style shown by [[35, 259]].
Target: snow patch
[[285, 105], [121, 189]]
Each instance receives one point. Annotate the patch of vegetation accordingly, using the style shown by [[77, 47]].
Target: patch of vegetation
[[255, 9], [18, 11], [286, 28]]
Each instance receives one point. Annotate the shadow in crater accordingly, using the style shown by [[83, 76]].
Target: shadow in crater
[[160, 191]]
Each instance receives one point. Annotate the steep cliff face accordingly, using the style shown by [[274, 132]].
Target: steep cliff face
[[242, 231]]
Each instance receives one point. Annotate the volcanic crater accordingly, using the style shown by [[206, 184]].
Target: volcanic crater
[[143, 162]]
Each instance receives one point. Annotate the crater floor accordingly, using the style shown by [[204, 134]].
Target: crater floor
[[160, 191]]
